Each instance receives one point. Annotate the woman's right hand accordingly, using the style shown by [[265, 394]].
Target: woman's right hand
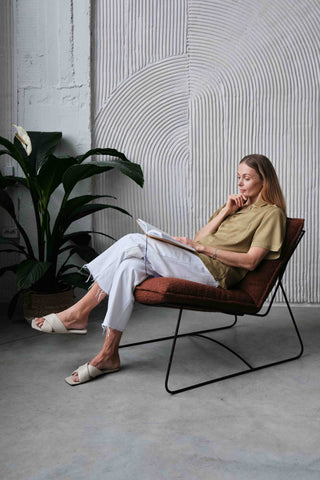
[[233, 204], [235, 201]]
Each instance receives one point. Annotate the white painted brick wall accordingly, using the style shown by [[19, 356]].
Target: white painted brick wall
[[53, 68], [51, 82]]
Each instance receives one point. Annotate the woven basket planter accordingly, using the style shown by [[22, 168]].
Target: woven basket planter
[[37, 304]]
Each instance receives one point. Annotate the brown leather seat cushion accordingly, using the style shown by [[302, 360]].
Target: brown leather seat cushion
[[246, 297], [177, 292]]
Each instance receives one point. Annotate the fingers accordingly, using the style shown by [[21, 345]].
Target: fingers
[[236, 200], [184, 240]]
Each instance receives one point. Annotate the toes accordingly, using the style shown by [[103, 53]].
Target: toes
[[75, 377], [39, 321]]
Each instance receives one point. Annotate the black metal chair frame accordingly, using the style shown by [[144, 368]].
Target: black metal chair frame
[[202, 333]]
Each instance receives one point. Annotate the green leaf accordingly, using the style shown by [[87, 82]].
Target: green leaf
[[69, 217], [111, 152], [43, 144], [30, 271], [7, 203], [76, 173], [76, 279], [70, 236], [64, 268], [85, 252], [76, 202], [79, 238], [9, 181], [13, 151], [51, 173], [75, 205]]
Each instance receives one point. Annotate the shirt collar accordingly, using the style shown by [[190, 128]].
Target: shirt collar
[[259, 203]]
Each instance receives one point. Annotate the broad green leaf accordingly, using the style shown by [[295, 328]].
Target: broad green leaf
[[84, 251], [76, 202], [51, 173], [79, 238], [30, 271], [66, 219], [110, 152], [76, 173], [43, 144]]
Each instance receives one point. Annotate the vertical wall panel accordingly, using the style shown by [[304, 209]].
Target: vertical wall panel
[[141, 108], [187, 88], [7, 117]]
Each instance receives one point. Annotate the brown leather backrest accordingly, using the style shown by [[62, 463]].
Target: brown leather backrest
[[259, 283]]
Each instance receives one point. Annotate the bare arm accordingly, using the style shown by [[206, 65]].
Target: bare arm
[[233, 204], [249, 260]]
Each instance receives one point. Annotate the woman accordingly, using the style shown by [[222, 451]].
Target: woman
[[248, 228]]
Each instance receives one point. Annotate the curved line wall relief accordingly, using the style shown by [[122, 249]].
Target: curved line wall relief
[[186, 88]]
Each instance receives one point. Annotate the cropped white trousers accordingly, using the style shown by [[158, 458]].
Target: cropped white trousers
[[132, 259]]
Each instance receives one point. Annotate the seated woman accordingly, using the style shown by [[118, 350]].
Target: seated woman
[[248, 228]]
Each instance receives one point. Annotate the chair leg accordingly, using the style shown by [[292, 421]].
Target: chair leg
[[161, 339], [242, 372]]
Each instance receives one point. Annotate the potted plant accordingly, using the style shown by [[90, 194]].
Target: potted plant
[[47, 268]]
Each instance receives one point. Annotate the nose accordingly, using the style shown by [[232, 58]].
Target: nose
[[239, 181]]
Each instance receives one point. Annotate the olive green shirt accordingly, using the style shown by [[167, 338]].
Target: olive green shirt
[[258, 225]]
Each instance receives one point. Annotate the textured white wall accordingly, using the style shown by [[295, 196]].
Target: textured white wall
[[187, 88]]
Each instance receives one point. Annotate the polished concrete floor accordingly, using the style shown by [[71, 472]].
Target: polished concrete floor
[[265, 425]]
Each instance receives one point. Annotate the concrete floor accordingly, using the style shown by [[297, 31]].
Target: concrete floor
[[126, 426]]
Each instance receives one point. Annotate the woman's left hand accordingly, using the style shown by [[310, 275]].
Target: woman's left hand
[[187, 241]]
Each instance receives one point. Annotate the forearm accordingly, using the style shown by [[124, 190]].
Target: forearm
[[211, 226], [247, 260]]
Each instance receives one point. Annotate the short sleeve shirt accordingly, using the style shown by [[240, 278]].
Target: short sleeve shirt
[[258, 225]]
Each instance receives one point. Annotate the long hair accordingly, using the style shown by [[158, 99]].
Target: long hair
[[271, 191]]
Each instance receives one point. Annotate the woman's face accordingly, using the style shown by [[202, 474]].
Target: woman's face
[[249, 183]]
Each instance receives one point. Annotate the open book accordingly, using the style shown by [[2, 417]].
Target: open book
[[154, 232]]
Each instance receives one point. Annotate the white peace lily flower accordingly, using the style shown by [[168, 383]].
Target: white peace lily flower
[[24, 138]]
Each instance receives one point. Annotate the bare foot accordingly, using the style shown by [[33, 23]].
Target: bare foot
[[71, 318]]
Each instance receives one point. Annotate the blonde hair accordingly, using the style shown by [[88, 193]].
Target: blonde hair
[[271, 191]]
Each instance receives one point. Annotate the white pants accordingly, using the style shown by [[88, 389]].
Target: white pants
[[129, 261]]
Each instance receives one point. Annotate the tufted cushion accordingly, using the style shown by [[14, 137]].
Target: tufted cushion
[[246, 297]]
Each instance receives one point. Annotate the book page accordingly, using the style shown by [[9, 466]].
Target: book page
[[156, 233]]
